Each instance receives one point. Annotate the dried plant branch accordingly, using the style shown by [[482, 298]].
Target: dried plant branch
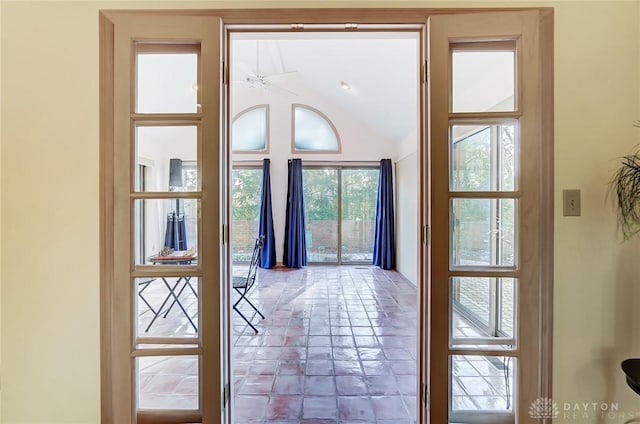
[[625, 184]]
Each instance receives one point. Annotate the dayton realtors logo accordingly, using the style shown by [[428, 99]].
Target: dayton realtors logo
[[543, 408], [580, 411]]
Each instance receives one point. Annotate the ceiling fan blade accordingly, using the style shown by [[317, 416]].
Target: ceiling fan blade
[[282, 89], [247, 70], [280, 74]]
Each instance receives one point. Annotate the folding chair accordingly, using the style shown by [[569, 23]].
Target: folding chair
[[242, 285]]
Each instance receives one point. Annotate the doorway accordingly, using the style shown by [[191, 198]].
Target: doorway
[[340, 337], [517, 209]]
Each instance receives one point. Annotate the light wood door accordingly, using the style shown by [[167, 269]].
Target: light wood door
[[487, 152], [165, 358]]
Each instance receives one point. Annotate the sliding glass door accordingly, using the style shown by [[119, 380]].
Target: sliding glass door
[[340, 207], [358, 217], [246, 184]]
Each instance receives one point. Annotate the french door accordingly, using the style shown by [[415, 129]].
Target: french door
[[487, 147], [166, 357]]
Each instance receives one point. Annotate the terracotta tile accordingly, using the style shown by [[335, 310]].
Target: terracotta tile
[[349, 385], [319, 407], [376, 368], [284, 407], [291, 367], [341, 320], [371, 354], [256, 385], [404, 367], [342, 341], [408, 384], [319, 367], [397, 353], [355, 408], [319, 353], [319, 385], [389, 408], [250, 407], [293, 352], [345, 354], [289, 385], [263, 367], [319, 341], [382, 385], [347, 368], [362, 331]]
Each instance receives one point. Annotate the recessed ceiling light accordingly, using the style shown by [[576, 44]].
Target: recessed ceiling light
[[345, 86]]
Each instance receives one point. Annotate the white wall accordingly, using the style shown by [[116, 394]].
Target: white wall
[[407, 230]]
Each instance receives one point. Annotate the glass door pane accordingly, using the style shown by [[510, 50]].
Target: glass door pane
[[246, 186], [485, 199], [166, 223], [358, 205], [321, 213]]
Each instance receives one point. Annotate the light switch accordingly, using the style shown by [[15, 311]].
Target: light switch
[[571, 202]]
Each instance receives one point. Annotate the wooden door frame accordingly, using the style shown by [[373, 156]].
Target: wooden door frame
[[381, 16]]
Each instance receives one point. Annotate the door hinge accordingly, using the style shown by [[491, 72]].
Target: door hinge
[[225, 73], [426, 235], [425, 396], [225, 395], [424, 73], [225, 234]]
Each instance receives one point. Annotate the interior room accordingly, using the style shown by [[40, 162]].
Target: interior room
[[50, 236], [339, 337]]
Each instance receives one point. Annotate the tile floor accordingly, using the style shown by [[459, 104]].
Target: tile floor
[[338, 345]]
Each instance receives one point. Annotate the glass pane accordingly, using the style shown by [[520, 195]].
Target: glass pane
[[483, 232], [483, 157], [245, 207], [321, 214], [166, 306], [167, 83], [483, 81], [482, 383], [359, 197], [167, 382], [249, 130], [313, 131], [166, 227], [482, 308], [168, 155]]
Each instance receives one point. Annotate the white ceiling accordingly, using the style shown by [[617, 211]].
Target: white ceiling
[[381, 68]]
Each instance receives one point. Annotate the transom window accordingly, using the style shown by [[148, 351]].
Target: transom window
[[313, 131], [250, 130]]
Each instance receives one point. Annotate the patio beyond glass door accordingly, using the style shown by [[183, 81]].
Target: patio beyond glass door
[[340, 208], [485, 277]]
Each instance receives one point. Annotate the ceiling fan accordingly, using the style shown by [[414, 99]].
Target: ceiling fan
[[258, 79]]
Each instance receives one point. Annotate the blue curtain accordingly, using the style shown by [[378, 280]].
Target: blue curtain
[[265, 226], [175, 235], [384, 245], [295, 246]]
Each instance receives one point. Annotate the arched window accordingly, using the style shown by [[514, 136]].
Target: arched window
[[249, 130], [313, 131]]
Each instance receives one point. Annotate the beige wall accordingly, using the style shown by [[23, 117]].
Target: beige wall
[[49, 204]]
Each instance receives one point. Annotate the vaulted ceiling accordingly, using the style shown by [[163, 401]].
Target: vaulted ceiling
[[372, 76]]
